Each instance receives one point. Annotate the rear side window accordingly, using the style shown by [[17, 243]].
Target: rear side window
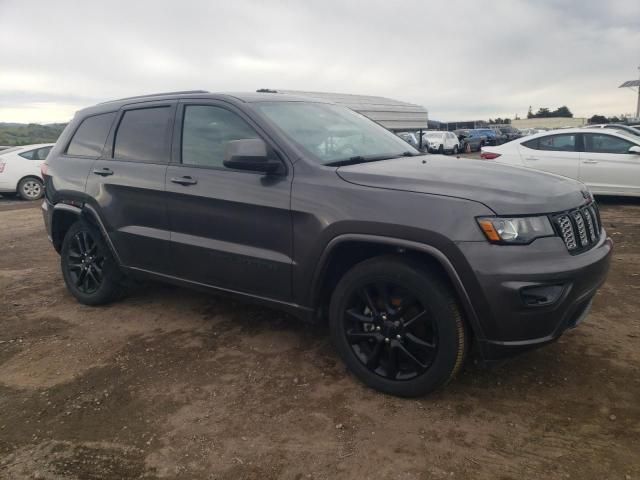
[[142, 135], [555, 143], [28, 154], [206, 130], [89, 139], [600, 143], [37, 154]]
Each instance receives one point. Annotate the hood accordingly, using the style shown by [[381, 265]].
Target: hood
[[504, 189]]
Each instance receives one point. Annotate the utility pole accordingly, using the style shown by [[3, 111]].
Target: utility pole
[[634, 85]]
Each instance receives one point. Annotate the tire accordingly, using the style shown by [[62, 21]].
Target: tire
[[420, 316], [30, 188], [455, 149], [88, 267]]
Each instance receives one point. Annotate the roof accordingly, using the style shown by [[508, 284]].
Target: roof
[[392, 114], [245, 97], [630, 83]]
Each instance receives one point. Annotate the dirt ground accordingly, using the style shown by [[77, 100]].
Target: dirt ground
[[171, 383]]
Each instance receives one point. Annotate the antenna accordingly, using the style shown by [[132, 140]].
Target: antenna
[[634, 85]]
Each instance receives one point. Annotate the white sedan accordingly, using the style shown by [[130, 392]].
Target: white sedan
[[607, 161], [20, 170]]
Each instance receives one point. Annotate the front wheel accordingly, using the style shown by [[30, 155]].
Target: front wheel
[[455, 149], [397, 327], [30, 188], [88, 268]]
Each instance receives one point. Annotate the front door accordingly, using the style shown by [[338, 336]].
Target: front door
[[606, 165], [229, 228]]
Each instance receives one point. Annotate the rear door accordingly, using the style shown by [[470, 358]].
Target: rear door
[[229, 228], [127, 184], [557, 153], [607, 166]]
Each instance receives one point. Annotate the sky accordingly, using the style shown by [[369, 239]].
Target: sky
[[462, 60]]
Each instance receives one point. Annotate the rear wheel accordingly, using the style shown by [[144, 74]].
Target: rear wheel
[[397, 327], [30, 188], [88, 268]]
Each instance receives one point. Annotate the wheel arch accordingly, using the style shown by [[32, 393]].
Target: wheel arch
[[64, 215], [345, 251], [29, 175]]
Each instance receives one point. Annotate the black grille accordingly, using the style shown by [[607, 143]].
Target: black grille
[[579, 228]]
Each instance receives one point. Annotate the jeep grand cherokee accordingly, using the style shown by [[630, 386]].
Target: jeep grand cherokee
[[308, 206]]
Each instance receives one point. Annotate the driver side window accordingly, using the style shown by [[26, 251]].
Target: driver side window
[[206, 130]]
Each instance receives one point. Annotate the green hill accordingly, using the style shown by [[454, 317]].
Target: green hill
[[25, 134]]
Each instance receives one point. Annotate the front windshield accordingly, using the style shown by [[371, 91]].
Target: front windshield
[[331, 133]]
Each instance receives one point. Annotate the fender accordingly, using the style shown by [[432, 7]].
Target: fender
[[87, 211], [436, 254]]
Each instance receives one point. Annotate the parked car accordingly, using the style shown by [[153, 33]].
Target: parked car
[[410, 138], [441, 142], [500, 136], [617, 126], [468, 142], [510, 133], [606, 160], [20, 170], [491, 138], [525, 132], [412, 259]]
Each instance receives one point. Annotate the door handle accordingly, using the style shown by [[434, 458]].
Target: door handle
[[532, 158], [186, 180], [103, 172], [590, 161]]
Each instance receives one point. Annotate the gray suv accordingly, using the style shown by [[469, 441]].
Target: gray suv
[[310, 207]]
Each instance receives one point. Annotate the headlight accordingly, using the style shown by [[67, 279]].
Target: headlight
[[517, 230]]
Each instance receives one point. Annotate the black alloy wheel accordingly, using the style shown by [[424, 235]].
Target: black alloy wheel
[[390, 331], [88, 267], [85, 263], [397, 326]]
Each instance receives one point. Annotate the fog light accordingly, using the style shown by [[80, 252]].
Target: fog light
[[542, 295]]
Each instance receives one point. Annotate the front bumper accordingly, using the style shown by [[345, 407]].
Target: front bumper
[[504, 276]]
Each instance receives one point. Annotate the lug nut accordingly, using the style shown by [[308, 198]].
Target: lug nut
[[386, 340], [398, 337], [377, 329]]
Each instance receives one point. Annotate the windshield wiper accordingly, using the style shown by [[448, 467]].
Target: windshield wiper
[[369, 158]]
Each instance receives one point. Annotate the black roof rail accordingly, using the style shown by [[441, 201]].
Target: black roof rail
[[180, 92]]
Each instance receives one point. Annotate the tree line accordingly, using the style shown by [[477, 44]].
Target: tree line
[[15, 134]]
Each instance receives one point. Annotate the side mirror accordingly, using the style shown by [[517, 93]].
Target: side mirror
[[249, 154], [635, 149]]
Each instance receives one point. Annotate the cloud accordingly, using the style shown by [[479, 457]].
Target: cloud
[[461, 59]]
